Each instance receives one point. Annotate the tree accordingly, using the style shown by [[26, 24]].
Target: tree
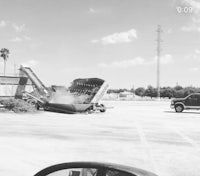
[[151, 92], [177, 88], [140, 91], [179, 93], [166, 92], [4, 54], [189, 90]]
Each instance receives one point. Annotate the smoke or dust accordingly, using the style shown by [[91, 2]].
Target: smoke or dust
[[64, 97]]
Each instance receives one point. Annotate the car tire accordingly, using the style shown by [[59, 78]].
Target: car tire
[[179, 108]]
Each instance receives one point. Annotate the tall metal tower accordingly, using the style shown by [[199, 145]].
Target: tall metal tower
[[159, 31]]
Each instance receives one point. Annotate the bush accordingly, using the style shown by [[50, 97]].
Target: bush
[[140, 91], [17, 105]]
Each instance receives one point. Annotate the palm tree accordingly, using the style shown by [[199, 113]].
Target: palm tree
[[4, 54]]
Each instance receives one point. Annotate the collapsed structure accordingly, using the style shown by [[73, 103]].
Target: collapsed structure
[[82, 96]]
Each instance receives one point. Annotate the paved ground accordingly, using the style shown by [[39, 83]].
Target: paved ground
[[147, 135]]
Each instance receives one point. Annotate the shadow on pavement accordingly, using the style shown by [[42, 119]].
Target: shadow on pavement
[[182, 112]]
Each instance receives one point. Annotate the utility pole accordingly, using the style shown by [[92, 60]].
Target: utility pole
[[159, 30]]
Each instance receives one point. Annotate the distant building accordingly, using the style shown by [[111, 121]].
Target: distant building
[[120, 96], [126, 95]]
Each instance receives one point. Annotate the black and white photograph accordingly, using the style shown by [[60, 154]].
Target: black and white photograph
[[99, 87]]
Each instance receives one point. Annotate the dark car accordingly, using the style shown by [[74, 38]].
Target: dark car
[[192, 101]]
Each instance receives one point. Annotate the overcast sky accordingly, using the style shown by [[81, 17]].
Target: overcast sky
[[111, 39]]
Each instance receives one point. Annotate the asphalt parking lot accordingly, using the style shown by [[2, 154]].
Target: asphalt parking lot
[[144, 134]]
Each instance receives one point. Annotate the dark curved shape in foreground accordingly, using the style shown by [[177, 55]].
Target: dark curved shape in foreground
[[101, 167]]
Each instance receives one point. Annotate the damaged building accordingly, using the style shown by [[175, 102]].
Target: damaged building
[[83, 95]]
